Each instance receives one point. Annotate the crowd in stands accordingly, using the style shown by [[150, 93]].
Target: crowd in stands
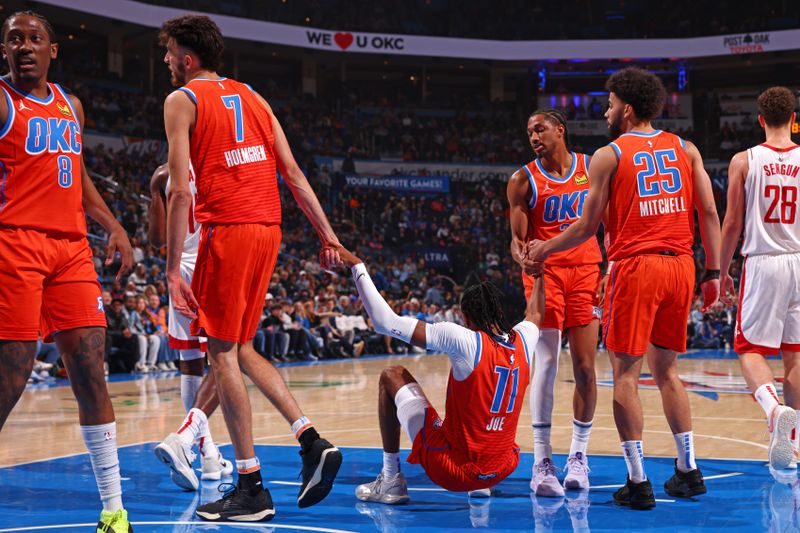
[[422, 249], [580, 19]]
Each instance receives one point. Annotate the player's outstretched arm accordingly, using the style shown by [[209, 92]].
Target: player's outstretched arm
[[304, 194], [179, 116], [601, 168], [97, 210], [386, 321], [734, 221], [157, 214], [709, 226], [518, 192], [535, 309]]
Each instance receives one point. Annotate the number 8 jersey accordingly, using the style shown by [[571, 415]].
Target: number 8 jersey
[[232, 150], [40, 163], [650, 207], [771, 201]]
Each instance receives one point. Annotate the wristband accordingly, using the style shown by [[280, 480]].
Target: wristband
[[709, 275]]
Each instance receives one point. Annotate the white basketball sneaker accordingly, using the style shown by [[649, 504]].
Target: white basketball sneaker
[[782, 422], [544, 482], [214, 468], [577, 468], [391, 491], [178, 457]]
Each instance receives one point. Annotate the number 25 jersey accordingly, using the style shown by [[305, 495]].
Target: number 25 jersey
[[40, 163], [650, 205]]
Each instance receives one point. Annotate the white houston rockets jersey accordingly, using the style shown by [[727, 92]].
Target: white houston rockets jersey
[[192, 241], [771, 223]]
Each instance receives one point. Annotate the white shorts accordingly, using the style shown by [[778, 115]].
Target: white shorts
[[769, 305], [411, 403], [190, 347]]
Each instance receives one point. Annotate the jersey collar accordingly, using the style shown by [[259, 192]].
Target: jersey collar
[[555, 179]]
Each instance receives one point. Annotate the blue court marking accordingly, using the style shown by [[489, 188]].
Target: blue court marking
[[60, 495], [118, 378]]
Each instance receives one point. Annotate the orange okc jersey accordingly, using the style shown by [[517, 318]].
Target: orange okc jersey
[[232, 151], [555, 204], [482, 411], [40, 163], [650, 206]]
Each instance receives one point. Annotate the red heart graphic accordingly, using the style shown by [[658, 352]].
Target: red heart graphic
[[344, 40]]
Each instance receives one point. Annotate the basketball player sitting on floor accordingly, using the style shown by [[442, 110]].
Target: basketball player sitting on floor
[[472, 449]]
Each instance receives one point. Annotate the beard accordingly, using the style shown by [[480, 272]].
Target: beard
[[615, 128], [178, 77]]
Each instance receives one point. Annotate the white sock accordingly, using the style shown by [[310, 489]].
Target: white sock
[[189, 386], [767, 398], [541, 443], [205, 443], [101, 441], [541, 398], [684, 445], [580, 437], [192, 426], [300, 425], [391, 464], [246, 466], [634, 459]]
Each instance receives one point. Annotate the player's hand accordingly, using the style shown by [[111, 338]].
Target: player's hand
[[182, 297], [536, 250], [329, 256], [118, 242], [536, 269], [727, 291], [348, 257], [601, 290], [710, 291]]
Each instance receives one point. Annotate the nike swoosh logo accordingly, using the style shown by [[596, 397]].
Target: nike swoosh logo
[[360, 276]]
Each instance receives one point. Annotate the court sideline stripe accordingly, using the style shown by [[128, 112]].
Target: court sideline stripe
[[201, 525]]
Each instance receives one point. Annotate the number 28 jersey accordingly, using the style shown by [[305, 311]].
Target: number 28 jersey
[[650, 206], [40, 163], [771, 198], [233, 153]]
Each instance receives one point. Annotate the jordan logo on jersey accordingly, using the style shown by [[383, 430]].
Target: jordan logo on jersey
[[23, 107]]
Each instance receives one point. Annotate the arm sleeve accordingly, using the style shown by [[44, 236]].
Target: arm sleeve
[[386, 321], [529, 332], [459, 343]]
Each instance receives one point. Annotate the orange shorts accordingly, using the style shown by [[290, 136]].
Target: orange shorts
[[648, 298], [47, 285], [431, 450], [230, 282], [570, 295]]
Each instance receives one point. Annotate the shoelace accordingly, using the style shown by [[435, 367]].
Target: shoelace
[[574, 461], [546, 468], [227, 491], [112, 520]]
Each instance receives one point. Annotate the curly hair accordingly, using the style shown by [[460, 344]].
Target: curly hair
[[554, 117], [198, 34], [51, 34], [776, 105], [482, 305], [642, 90]]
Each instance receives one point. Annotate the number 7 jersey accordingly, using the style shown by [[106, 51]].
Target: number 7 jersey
[[40, 163], [771, 225], [650, 207], [233, 153]]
